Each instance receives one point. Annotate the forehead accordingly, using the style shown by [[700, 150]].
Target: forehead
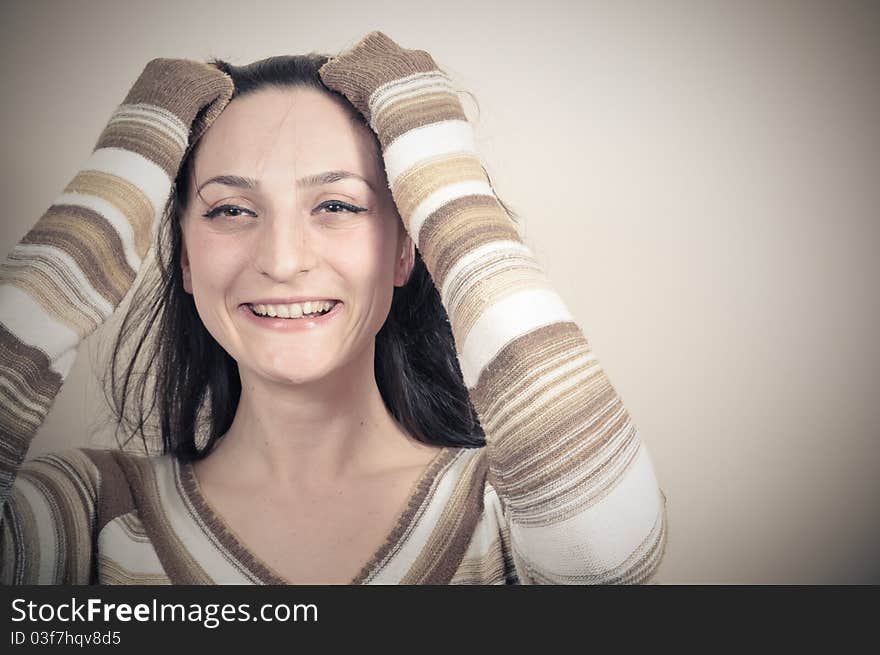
[[291, 129]]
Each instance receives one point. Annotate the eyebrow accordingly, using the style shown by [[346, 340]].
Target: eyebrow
[[318, 179]]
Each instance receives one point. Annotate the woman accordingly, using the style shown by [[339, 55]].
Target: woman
[[339, 454]]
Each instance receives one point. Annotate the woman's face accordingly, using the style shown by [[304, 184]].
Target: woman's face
[[263, 228]]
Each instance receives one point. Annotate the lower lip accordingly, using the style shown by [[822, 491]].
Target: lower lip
[[291, 324]]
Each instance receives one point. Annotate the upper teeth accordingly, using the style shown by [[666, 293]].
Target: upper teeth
[[294, 310]]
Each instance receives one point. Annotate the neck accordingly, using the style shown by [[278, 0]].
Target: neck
[[313, 435]]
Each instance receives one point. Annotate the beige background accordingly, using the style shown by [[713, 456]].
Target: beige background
[[700, 180]]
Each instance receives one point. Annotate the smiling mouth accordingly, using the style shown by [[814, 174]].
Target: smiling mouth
[[311, 309]]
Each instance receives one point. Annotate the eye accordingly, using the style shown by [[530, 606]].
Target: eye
[[231, 211], [337, 207]]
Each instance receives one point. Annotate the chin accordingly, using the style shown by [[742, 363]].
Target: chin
[[293, 371], [295, 366], [298, 377]]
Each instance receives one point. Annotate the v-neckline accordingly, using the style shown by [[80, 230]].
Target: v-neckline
[[219, 529]]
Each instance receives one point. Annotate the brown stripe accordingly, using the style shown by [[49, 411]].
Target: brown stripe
[[78, 513], [133, 527], [408, 113], [126, 197], [524, 393], [174, 555], [581, 403], [65, 303], [441, 556], [563, 467], [516, 360], [356, 74], [113, 573], [73, 549], [493, 269], [114, 497], [193, 91], [457, 228], [575, 410], [488, 568], [149, 140], [84, 476], [416, 184], [21, 560], [27, 370], [92, 243]]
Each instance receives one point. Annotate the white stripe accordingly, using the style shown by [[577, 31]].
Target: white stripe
[[442, 196], [136, 557], [405, 95], [415, 81], [407, 87], [114, 216], [156, 115], [47, 538], [28, 321], [146, 175], [494, 250], [146, 122], [427, 142], [171, 119], [601, 537], [505, 320], [152, 122]]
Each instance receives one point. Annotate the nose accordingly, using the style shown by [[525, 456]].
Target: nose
[[284, 248]]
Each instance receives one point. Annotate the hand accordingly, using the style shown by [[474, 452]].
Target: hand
[[373, 62], [184, 87]]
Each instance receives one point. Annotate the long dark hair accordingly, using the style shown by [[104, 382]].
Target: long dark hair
[[196, 384]]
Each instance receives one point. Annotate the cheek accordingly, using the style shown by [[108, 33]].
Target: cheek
[[212, 262], [367, 263], [367, 256]]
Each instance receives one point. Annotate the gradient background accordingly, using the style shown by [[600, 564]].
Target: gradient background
[[701, 180]]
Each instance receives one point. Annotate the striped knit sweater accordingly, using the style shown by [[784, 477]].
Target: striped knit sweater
[[564, 492]]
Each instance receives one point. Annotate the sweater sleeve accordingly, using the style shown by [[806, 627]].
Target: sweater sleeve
[[64, 279], [577, 485]]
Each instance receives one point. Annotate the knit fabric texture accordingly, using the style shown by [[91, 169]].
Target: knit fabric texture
[[563, 493], [70, 272]]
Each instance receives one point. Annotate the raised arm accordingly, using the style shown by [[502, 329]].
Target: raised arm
[[63, 280], [577, 485]]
